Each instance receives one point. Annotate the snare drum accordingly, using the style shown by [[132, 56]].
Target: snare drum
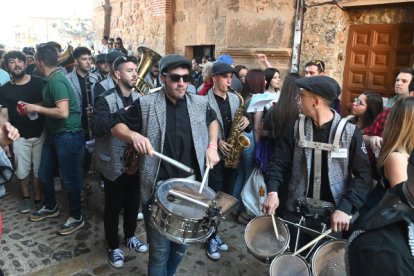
[[261, 240], [178, 220], [329, 259], [289, 265]]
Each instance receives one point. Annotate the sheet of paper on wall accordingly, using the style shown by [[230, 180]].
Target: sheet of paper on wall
[[259, 101]]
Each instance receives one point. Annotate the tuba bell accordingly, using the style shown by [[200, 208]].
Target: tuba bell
[[148, 59], [67, 58]]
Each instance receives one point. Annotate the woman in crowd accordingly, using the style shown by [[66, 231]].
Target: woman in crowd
[[365, 108], [120, 45], [272, 77], [398, 143], [207, 79], [241, 72], [254, 84]]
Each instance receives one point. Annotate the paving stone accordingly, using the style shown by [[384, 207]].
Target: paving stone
[[29, 243], [16, 263], [80, 249], [62, 255], [45, 249], [15, 236]]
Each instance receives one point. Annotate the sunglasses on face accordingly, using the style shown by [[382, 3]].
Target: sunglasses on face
[[176, 78], [358, 102]]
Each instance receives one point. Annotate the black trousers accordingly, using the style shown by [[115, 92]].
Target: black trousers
[[222, 178], [123, 193]]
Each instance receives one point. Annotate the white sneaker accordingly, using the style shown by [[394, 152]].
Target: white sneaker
[[116, 258], [140, 216]]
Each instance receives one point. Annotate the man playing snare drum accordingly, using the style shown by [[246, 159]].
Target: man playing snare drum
[[319, 169], [179, 125]]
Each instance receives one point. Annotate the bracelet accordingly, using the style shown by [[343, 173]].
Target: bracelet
[[212, 146], [270, 193]]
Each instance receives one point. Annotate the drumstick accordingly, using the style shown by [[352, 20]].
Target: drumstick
[[173, 162], [275, 227], [324, 234], [203, 182]]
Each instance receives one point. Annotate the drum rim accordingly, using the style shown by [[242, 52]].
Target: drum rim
[[289, 254], [257, 254], [318, 250]]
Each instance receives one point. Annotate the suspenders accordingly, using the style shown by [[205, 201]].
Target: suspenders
[[318, 148]]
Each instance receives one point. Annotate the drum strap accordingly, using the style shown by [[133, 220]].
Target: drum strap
[[318, 148]]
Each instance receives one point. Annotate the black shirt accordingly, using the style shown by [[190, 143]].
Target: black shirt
[[179, 144], [31, 92], [280, 166], [225, 111]]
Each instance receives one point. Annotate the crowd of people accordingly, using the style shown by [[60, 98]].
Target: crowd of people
[[317, 163]]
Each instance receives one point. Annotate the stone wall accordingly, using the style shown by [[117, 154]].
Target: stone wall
[[326, 29], [237, 27]]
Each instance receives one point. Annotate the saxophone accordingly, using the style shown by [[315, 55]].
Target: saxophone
[[236, 138]]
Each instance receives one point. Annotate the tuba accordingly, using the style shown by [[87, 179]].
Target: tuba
[[148, 59], [236, 138], [67, 58]]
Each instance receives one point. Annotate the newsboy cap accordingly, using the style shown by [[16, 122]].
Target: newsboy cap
[[100, 58], [113, 55], [221, 68], [323, 86], [173, 61]]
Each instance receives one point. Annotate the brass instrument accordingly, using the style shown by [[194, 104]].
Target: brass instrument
[[236, 138], [148, 59], [89, 102], [67, 58]]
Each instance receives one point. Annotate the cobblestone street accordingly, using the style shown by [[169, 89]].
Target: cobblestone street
[[35, 248]]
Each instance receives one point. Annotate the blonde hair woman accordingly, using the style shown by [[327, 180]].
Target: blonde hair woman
[[398, 143]]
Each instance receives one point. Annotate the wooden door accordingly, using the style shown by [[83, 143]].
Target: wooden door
[[375, 54]]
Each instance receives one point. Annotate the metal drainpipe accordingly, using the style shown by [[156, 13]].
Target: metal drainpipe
[[297, 39]]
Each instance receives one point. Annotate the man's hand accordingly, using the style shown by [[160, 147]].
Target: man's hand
[[244, 122], [340, 221], [376, 143], [141, 144], [225, 147], [8, 134], [212, 157], [262, 58], [29, 108], [271, 203]]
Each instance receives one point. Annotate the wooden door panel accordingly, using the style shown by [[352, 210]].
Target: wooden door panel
[[374, 55]]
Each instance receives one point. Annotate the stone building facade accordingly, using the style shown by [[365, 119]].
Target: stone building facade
[[243, 28]]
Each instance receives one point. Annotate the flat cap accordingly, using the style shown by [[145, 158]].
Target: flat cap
[[112, 55], [100, 58], [225, 59], [173, 61], [221, 68], [323, 86]]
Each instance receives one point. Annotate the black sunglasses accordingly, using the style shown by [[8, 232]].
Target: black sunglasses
[[176, 78]]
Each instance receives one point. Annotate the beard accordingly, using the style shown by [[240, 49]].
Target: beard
[[18, 75]]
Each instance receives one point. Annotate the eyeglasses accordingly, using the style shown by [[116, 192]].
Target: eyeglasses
[[358, 102], [319, 63], [176, 78]]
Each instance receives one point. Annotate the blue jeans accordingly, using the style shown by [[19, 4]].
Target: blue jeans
[[63, 151], [245, 168], [164, 255]]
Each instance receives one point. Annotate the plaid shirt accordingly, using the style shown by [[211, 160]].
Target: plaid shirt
[[377, 127]]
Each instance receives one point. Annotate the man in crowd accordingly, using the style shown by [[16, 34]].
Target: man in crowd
[[27, 149], [404, 87], [153, 76], [225, 105], [64, 144], [101, 71], [323, 161], [121, 187], [108, 82], [168, 121], [104, 47], [196, 74], [235, 82]]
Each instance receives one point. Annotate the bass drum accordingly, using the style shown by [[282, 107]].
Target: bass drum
[[289, 265], [261, 240], [178, 220], [329, 259]]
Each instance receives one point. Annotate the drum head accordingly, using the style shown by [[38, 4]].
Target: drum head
[[261, 240], [288, 265], [179, 207], [329, 259]]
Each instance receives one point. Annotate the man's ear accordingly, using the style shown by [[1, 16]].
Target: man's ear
[[117, 75]]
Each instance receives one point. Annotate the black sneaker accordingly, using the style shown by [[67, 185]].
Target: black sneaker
[[71, 225], [44, 213]]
